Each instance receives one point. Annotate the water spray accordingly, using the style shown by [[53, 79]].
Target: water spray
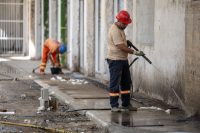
[[182, 104]]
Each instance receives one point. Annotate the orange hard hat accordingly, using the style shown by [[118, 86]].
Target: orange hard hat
[[124, 17]]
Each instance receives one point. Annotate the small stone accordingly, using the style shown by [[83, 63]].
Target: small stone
[[38, 112], [47, 121], [25, 121]]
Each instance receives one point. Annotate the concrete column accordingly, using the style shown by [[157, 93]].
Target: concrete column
[[53, 22], [62, 27], [32, 49], [73, 32], [26, 30], [38, 29], [106, 21], [89, 44], [45, 21], [68, 34]]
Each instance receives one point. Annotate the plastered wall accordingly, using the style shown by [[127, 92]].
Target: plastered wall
[[192, 57], [167, 53]]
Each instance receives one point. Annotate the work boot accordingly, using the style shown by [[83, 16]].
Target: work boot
[[42, 72], [60, 72], [130, 108], [115, 109]]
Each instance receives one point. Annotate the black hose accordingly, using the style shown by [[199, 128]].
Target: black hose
[[131, 90], [133, 62], [89, 109]]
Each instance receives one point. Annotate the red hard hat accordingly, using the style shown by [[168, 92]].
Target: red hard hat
[[124, 17]]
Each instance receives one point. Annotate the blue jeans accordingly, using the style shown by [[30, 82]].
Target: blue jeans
[[119, 76]]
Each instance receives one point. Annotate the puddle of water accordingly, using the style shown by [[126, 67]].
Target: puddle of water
[[130, 124]]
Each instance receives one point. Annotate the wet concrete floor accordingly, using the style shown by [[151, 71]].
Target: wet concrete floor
[[90, 96]]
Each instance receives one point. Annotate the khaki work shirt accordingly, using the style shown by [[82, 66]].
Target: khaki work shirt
[[116, 36]]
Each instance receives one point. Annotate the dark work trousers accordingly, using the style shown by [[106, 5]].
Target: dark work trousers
[[119, 76]]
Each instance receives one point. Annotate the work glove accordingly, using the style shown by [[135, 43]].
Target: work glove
[[129, 44], [138, 53]]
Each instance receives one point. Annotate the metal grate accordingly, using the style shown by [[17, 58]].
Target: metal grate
[[11, 27]]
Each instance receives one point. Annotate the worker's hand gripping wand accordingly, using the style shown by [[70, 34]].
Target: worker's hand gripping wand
[[131, 45]]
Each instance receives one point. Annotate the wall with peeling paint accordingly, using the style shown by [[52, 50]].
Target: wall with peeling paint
[[167, 53]]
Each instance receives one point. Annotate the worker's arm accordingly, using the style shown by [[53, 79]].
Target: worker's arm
[[128, 50], [125, 49], [57, 59], [49, 56]]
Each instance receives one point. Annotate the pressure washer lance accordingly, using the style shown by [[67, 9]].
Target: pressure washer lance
[[183, 106], [147, 61]]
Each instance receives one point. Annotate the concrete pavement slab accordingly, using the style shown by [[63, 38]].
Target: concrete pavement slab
[[90, 96]]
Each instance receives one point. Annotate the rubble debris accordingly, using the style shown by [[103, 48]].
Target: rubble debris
[[23, 96], [168, 111], [3, 113], [76, 83], [159, 109], [5, 118], [41, 108], [53, 78], [25, 121], [15, 79], [144, 108], [47, 121], [86, 82], [60, 78], [38, 112]]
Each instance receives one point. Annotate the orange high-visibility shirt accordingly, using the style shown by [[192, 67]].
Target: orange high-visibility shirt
[[53, 45]]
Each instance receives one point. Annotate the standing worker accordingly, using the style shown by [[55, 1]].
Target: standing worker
[[117, 59], [52, 47]]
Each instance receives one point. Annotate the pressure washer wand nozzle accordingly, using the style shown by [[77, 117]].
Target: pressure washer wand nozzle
[[142, 55]]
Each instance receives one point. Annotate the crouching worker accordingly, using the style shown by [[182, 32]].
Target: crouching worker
[[52, 47]]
